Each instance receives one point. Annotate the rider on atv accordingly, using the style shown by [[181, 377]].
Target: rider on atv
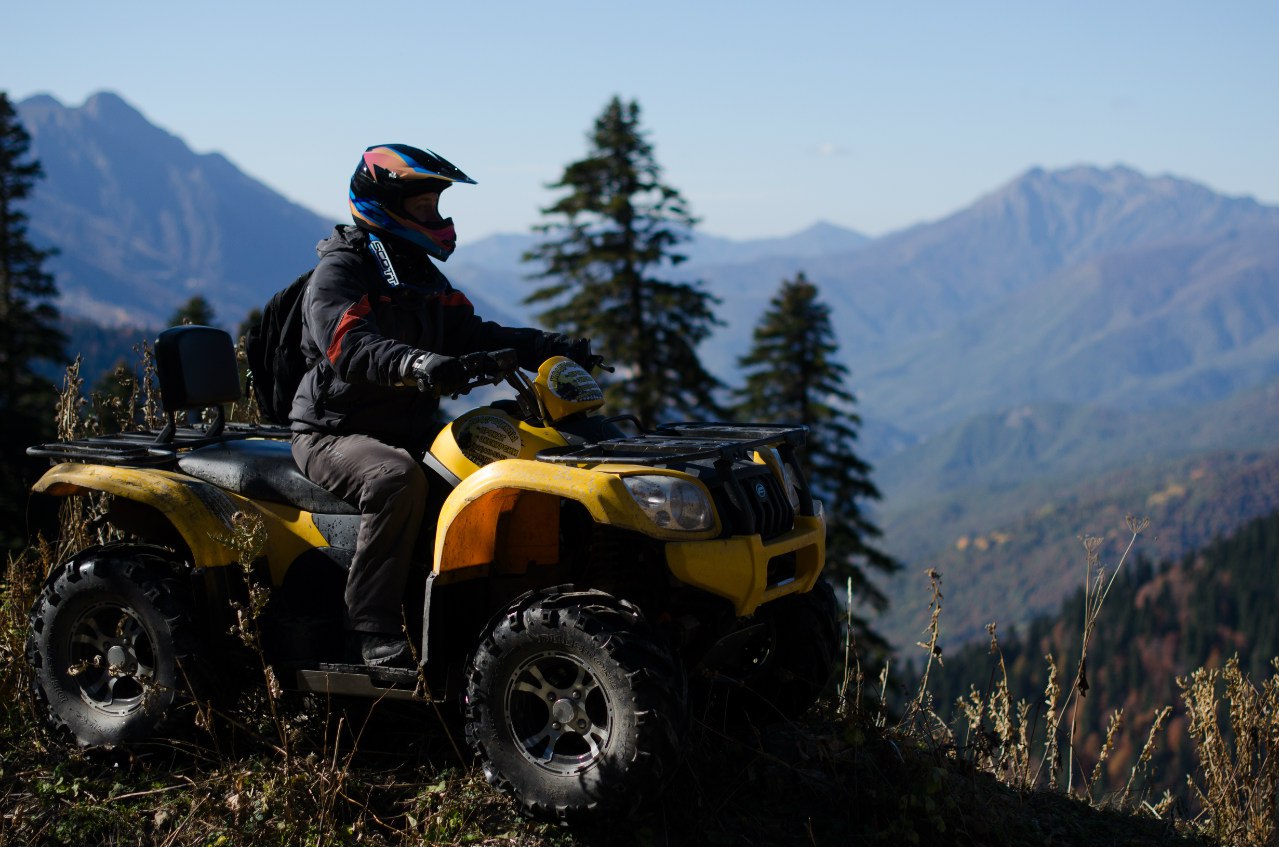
[[384, 330]]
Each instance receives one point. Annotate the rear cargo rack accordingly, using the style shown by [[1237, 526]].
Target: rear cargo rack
[[142, 449], [680, 442]]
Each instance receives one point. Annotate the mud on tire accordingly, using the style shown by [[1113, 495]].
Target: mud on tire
[[574, 706], [110, 633]]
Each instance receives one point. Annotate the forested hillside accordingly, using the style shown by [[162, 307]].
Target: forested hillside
[[1161, 621], [1012, 553]]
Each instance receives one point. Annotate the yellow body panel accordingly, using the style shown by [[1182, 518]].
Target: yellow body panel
[[737, 568], [290, 533], [565, 388], [463, 539], [200, 512], [486, 435]]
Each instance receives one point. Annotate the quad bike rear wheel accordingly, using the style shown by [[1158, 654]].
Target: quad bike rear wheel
[[110, 633], [574, 705]]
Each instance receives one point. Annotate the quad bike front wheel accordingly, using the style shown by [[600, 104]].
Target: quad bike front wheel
[[574, 706], [109, 633]]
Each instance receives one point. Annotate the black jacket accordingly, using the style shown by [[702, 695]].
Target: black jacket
[[359, 331]]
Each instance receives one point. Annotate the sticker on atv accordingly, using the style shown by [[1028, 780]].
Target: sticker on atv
[[488, 438], [570, 381]]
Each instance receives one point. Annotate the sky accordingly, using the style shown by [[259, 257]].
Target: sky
[[767, 117]]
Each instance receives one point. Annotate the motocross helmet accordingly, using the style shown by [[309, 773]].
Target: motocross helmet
[[389, 174]]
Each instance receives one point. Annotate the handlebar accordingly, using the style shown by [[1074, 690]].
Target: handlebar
[[490, 367], [487, 367]]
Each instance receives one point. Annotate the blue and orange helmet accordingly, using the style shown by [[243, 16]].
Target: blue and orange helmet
[[389, 174]]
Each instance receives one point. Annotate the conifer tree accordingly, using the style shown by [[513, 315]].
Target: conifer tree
[[608, 257], [792, 376], [196, 310], [29, 330]]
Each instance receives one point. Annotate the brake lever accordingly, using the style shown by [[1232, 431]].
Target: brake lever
[[596, 361]]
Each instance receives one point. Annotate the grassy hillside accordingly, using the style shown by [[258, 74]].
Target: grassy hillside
[[283, 770]]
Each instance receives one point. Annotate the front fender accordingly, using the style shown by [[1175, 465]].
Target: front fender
[[201, 513], [468, 529]]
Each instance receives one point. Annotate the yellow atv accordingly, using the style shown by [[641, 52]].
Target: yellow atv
[[570, 580]]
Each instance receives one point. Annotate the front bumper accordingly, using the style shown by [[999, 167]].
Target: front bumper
[[737, 568]]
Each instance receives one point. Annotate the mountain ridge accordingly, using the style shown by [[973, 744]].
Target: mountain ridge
[[1146, 326]]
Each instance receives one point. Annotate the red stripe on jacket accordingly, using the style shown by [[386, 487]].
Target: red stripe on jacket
[[352, 316], [454, 298]]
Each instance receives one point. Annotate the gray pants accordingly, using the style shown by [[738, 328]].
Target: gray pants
[[389, 488]]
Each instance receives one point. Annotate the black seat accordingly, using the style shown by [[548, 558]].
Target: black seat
[[262, 469]]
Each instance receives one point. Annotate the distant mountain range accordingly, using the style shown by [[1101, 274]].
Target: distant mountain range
[[1067, 324], [143, 224], [1175, 323]]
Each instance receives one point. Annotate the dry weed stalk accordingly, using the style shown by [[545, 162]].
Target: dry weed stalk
[[1052, 746], [70, 424], [248, 539], [152, 418], [1147, 752], [120, 409], [1239, 764], [1096, 589], [853, 677], [1004, 749], [248, 411], [1011, 725], [1108, 746], [934, 651]]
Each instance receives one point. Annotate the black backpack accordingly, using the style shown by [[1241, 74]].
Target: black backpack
[[274, 351]]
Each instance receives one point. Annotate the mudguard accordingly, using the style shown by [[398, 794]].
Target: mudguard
[[200, 513], [507, 513]]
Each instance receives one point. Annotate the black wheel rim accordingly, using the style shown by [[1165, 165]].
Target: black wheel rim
[[558, 713], [111, 659]]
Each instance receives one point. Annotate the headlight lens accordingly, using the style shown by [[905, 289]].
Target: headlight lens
[[671, 502], [792, 485], [789, 481]]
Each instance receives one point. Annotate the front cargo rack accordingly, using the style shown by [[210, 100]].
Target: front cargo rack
[[680, 442], [142, 449], [725, 444]]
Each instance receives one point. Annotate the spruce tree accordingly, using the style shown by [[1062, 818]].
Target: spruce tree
[[611, 246], [29, 330], [196, 310], [792, 376]]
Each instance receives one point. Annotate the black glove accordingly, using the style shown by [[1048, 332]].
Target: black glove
[[436, 374], [577, 349]]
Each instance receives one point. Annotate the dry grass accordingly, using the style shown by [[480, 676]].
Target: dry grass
[[1238, 761]]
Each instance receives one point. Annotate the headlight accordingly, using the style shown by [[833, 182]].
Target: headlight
[[792, 485], [789, 482], [671, 502]]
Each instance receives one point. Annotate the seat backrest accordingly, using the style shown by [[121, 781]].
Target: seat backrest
[[197, 369]]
